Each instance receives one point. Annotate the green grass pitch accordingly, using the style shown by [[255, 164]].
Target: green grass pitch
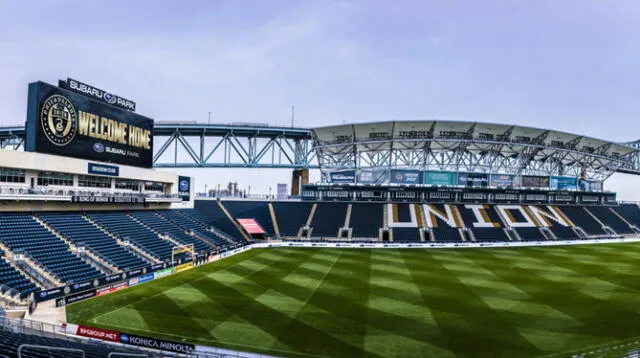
[[524, 302]]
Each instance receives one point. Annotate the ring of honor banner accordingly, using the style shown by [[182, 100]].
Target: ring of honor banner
[[63, 122]]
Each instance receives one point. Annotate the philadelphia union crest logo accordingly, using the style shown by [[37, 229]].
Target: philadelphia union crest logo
[[59, 120]]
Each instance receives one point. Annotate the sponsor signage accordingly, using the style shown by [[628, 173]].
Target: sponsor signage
[[529, 181], [107, 199], [504, 180], [439, 178], [136, 272], [103, 169], [343, 176], [62, 122], [98, 333], [49, 294], [163, 273], [112, 288], [473, 180], [60, 302], [563, 183], [373, 176], [406, 176], [184, 267], [97, 94], [157, 267], [148, 342], [82, 286], [141, 279], [184, 187]]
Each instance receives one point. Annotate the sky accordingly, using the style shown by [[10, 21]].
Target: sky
[[565, 65]]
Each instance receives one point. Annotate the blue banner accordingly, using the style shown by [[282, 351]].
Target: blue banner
[[473, 180], [399, 176], [373, 176], [563, 183], [343, 176]]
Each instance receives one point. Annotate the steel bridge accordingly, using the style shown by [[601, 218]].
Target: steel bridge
[[197, 145]]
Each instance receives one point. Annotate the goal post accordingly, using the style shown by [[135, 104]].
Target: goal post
[[176, 250]]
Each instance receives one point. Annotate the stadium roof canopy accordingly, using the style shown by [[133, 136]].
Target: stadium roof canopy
[[470, 147]]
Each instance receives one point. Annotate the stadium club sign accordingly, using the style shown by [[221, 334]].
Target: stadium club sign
[[97, 94], [63, 122]]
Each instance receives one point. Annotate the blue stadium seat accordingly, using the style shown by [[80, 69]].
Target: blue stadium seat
[[13, 279], [187, 223], [124, 227], [291, 216], [22, 233], [366, 220], [165, 227], [604, 214], [328, 219], [75, 228], [257, 210], [209, 214], [581, 218]]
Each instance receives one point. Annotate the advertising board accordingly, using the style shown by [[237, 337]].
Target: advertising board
[[399, 176], [530, 181], [149, 342], [66, 123], [504, 180], [439, 178], [563, 183], [473, 180], [373, 176], [343, 176], [98, 333]]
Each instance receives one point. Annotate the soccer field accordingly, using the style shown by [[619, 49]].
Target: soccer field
[[295, 302]]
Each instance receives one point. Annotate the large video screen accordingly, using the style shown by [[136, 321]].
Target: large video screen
[[63, 122]]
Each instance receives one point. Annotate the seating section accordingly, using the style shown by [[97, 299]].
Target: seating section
[[530, 234], [22, 233], [366, 220], [165, 227], [257, 210], [581, 218], [328, 219], [403, 234], [563, 232], [10, 341], [484, 233], [215, 241], [13, 279], [291, 216], [604, 214], [209, 213], [125, 228], [630, 212], [75, 228]]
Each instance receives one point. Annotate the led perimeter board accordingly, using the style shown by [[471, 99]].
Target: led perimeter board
[[62, 122]]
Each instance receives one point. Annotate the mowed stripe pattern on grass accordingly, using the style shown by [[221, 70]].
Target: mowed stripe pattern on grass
[[523, 302]]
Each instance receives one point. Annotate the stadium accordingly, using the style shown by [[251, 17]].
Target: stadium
[[423, 238]]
